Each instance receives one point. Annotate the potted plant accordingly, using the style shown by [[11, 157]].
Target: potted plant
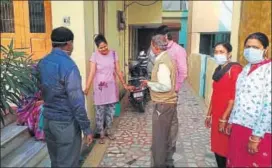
[[18, 78]]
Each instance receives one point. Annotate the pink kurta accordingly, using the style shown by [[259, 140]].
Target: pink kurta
[[104, 84]]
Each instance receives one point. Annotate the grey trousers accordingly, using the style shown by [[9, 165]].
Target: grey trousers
[[164, 134], [63, 140], [104, 115]]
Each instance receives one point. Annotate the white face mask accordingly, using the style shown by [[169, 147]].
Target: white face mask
[[220, 59], [68, 52], [253, 55], [65, 42]]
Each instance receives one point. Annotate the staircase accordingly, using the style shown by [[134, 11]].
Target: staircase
[[18, 148]]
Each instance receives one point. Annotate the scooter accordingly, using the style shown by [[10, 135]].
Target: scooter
[[139, 96]]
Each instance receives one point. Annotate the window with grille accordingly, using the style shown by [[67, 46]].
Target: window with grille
[[36, 16], [7, 16], [174, 5], [208, 41]]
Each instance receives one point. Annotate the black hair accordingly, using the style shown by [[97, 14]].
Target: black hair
[[60, 36], [100, 39], [259, 36], [164, 29], [226, 45]]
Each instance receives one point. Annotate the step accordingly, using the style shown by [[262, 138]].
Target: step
[[45, 162], [12, 136], [28, 154], [8, 118]]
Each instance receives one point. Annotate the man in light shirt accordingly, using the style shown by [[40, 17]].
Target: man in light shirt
[[178, 55], [163, 94]]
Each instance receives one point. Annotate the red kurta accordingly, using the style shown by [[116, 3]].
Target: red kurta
[[223, 92]]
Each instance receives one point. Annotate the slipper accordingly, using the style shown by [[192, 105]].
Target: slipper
[[111, 137], [102, 141]]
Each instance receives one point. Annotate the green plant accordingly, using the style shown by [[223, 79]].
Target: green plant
[[18, 78]]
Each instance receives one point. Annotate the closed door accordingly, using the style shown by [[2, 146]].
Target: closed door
[[11, 28], [29, 24]]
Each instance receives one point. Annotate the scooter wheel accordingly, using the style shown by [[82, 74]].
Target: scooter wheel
[[142, 107]]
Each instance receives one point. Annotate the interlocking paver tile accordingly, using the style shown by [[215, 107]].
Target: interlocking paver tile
[[134, 135]]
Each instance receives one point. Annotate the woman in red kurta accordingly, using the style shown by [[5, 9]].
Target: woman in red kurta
[[224, 77]]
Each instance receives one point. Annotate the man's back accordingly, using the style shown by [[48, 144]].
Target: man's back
[[65, 116], [53, 70]]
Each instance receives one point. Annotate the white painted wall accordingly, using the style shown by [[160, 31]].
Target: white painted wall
[[225, 15], [82, 19]]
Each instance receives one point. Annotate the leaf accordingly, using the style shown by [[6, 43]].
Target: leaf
[[17, 73], [6, 106], [10, 46], [14, 98], [4, 49], [11, 110]]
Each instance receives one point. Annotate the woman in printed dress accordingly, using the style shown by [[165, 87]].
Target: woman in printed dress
[[103, 67], [250, 121], [222, 101]]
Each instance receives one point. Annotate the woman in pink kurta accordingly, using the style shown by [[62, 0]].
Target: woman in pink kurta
[[103, 70]]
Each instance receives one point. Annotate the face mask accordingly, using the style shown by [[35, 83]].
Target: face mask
[[220, 59], [66, 42], [253, 55], [68, 52]]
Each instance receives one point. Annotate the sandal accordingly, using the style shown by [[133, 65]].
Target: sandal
[[111, 137], [102, 140]]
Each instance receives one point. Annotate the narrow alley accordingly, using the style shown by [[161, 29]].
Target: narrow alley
[[132, 146]]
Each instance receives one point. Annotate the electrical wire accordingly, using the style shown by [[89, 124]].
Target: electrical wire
[[142, 4]]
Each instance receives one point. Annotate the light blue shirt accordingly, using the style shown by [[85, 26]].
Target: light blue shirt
[[252, 107]]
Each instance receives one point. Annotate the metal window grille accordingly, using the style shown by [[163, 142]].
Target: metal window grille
[[7, 16], [36, 16]]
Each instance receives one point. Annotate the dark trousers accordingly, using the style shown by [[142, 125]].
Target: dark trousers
[[221, 161], [63, 140], [164, 134]]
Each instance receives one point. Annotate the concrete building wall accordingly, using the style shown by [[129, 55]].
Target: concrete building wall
[[257, 21], [211, 65], [194, 71], [83, 46], [140, 15], [205, 17], [84, 24], [235, 28], [183, 31]]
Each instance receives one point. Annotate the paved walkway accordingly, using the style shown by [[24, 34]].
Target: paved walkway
[[132, 146]]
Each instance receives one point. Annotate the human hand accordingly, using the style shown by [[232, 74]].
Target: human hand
[[208, 122], [228, 129], [253, 144], [143, 83], [131, 88], [88, 139], [221, 127], [86, 91], [126, 87]]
